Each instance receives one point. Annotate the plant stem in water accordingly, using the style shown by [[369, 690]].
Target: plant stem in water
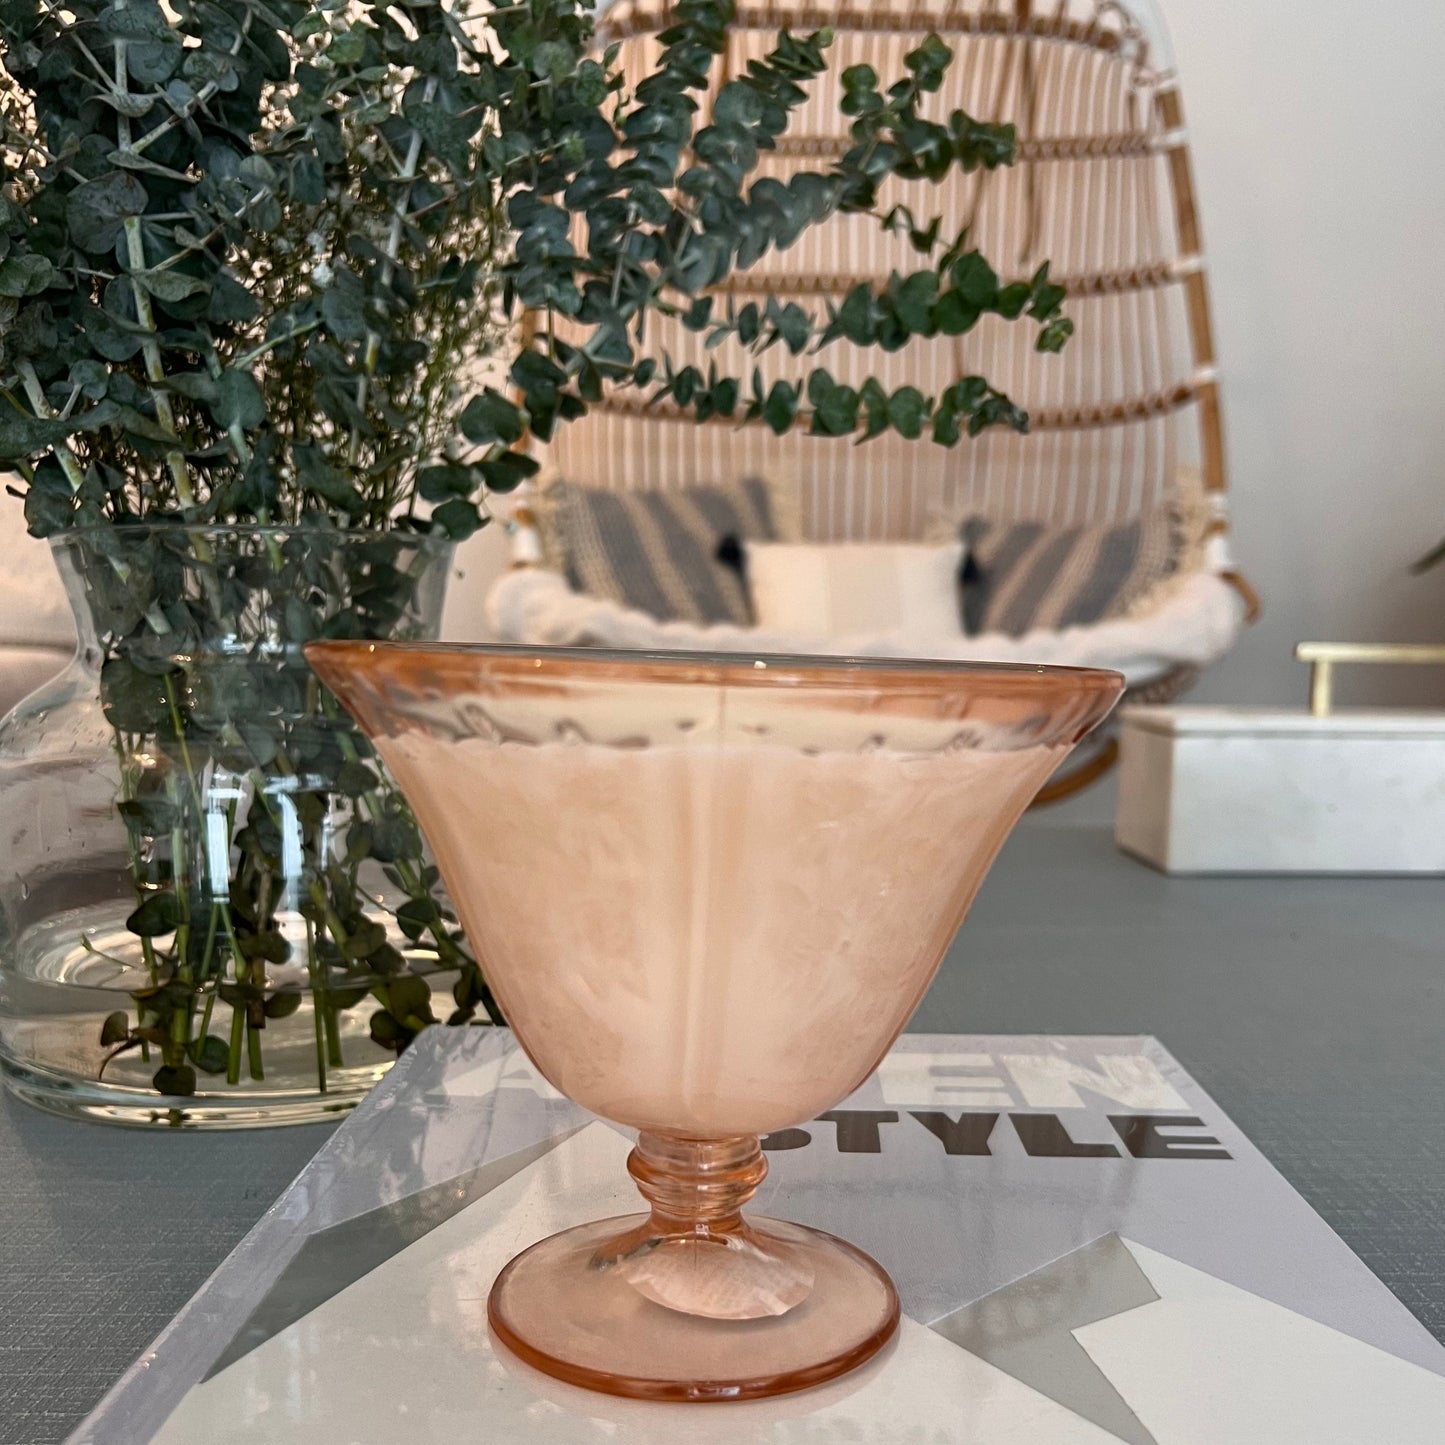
[[253, 1053], [319, 1004], [233, 1057]]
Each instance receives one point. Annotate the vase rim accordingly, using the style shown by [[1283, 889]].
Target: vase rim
[[736, 669]]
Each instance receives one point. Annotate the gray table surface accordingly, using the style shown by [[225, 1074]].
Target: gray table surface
[[1313, 1010]]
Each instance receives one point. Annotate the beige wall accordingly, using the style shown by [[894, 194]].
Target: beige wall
[[1319, 136]]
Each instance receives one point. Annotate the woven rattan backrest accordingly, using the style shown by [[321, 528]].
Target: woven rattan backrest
[[1102, 189]]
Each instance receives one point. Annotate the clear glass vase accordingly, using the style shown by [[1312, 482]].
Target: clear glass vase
[[216, 908]]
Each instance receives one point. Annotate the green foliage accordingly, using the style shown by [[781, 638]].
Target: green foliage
[[251, 254], [245, 266], [249, 248], [673, 209], [220, 726], [245, 257]]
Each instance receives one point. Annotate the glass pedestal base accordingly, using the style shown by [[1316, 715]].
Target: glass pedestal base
[[762, 1309]]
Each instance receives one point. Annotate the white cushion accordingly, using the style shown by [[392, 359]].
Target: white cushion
[[845, 588], [1195, 623]]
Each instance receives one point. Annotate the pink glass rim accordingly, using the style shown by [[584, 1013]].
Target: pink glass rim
[[518, 662]]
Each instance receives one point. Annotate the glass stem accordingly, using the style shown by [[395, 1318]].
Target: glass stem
[[697, 1186], [696, 1253]]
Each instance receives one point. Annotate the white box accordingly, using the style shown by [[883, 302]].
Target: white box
[[1246, 790]]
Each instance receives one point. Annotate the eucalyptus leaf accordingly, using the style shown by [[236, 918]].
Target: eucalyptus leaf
[[198, 385], [975, 280], [115, 1029], [150, 817], [25, 275], [175, 1079], [171, 285], [283, 1005], [239, 400], [442, 482], [230, 301], [96, 211], [158, 915], [554, 60], [954, 314], [491, 417], [508, 470], [23, 436], [458, 518], [385, 1030], [409, 997], [210, 1054], [347, 47]]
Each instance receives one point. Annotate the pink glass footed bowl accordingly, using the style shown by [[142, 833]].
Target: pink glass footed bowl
[[708, 893]]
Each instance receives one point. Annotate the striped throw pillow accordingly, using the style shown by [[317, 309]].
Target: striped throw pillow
[[657, 551], [1033, 575]]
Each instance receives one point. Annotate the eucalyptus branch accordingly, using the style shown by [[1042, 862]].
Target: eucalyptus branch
[[248, 359], [234, 430], [135, 252], [392, 249], [691, 222], [198, 101], [832, 409], [114, 84], [62, 452]]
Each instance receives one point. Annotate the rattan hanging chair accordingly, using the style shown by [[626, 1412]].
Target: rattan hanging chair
[[1125, 420]]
